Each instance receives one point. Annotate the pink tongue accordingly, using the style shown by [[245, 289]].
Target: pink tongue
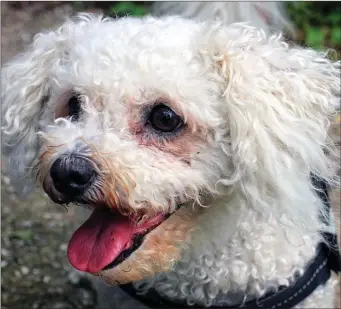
[[99, 241]]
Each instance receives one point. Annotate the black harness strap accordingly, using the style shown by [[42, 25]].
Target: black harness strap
[[317, 273], [334, 257]]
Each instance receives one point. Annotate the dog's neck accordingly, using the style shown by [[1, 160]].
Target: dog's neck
[[237, 251]]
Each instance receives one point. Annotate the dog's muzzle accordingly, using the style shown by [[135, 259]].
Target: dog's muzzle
[[72, 175], [116, 234]]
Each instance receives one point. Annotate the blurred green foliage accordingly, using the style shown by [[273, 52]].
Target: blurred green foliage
[[317, 23], [128, 8], [115, 8]]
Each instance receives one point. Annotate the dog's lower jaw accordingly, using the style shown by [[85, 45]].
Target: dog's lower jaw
[[159, 250], [258, 252]]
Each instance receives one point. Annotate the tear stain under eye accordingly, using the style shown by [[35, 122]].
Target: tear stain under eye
[[180, 144]]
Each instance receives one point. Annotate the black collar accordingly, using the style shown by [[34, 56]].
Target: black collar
[[317, 273]]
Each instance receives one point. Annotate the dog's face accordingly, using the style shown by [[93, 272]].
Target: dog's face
[[124, 134], [140, 120]]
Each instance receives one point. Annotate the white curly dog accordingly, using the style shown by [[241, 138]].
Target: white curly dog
[[193, 143]]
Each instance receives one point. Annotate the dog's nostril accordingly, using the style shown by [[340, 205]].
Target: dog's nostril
[[80, 177], [72, 175]]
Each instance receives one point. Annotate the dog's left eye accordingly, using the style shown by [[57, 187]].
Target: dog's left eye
[[164, 119], [68, 105], [74, 107]]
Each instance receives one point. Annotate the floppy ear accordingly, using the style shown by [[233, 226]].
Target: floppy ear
[[25, 88], [279, 100]]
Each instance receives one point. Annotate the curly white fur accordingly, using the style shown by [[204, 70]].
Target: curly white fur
[[260, 106]]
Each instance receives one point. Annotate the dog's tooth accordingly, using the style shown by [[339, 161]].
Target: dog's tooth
[[142, 219]]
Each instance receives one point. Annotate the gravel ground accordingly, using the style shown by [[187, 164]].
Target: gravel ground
[[35, 270]]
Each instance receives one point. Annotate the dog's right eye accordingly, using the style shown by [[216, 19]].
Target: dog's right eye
[[74, 107], [68, 106]]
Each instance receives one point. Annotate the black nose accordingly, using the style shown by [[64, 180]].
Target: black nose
[[72, 175]]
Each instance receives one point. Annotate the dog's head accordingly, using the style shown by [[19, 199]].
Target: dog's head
[[146, 120]]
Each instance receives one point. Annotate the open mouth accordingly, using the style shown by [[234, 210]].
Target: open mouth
[[108, 238]]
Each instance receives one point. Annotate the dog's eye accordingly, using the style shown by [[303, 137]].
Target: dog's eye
[[69, 104], [74, 107], [163, 119]]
